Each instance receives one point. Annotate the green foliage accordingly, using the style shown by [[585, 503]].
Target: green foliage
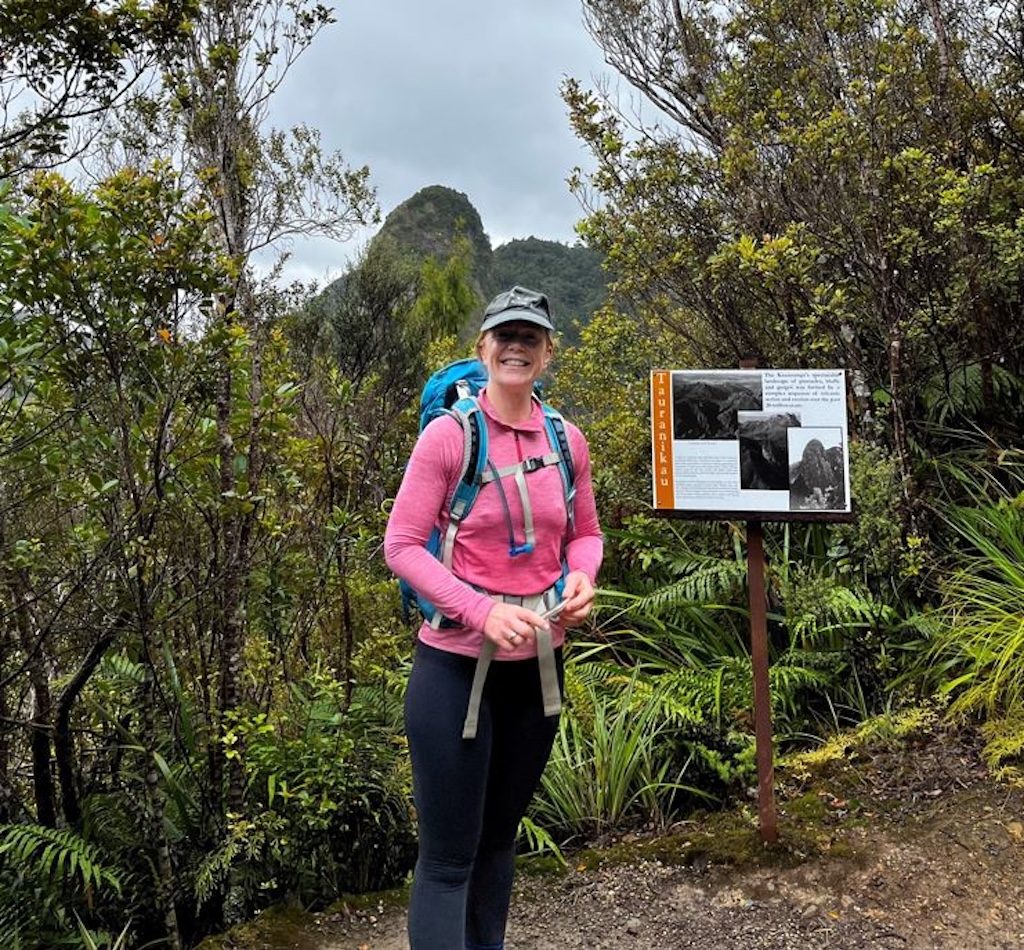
[[332, 789], [814, 186], [45, 875], [179, 436], [603, 385], [610, 765], [80, 58], [1004, 747], [885, 729], [872, 548], [961, 395], [982, 615], [104, 941], [446, 299], [539, 841], [57, 855]]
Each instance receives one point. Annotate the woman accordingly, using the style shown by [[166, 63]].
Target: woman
[[471, 793]]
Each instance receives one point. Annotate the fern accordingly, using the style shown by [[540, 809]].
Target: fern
[[57, 855], [17, 909], [842, 608], [118, 667], [961, 392], [687, 698], [703, 581], [214, 869]]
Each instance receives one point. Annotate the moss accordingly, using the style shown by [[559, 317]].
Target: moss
[[882, 731], [372, 901], [733, 838], [541, 866], [805, 808], [279, 928], [291, 928]]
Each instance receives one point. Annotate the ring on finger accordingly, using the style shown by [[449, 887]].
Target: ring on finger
[[511, 636]]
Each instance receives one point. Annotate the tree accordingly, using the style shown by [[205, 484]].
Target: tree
[[71, 60], [362, 349], [821, 186], [263, 187], [98, 415]]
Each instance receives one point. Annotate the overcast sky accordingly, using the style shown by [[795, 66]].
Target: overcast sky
[[463, 93]]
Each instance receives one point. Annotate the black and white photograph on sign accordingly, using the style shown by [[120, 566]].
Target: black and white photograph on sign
[[705, 404], [764, 449], [817, 473]]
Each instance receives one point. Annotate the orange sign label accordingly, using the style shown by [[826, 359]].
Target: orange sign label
[[661, 439]]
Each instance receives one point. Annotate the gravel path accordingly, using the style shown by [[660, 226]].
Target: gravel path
[[928, 856]]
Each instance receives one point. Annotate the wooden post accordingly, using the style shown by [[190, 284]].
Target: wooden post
[[762, 695], [759, 661]]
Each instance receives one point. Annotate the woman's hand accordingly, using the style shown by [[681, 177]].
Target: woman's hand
[[579, 596], [509, 626]]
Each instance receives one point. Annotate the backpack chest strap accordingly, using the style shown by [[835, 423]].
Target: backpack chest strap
[[519, 471], [525, 466]]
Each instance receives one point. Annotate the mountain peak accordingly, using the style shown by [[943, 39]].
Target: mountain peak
[[428, 223]]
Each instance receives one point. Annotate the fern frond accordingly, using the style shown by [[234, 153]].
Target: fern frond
[[214, 869], [539, 840], [841, 608], [117, 666], [710, 581], [961, 392], [57, 854]]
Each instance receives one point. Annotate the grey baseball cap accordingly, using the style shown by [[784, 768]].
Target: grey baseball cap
[[517, 304]]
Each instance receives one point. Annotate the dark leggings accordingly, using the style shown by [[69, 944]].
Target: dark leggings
[[470, 793]]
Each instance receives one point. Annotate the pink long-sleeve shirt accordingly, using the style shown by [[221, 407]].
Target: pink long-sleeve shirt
[[480, 556]]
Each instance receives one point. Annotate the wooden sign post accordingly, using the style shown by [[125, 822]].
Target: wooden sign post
[[752, 445], [764, 747]]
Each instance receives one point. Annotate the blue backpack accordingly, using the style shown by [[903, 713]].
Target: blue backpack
[[453, 391]]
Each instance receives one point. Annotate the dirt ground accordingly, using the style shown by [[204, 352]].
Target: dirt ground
[[913, 847]]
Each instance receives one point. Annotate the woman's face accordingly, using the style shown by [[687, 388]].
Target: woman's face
[[515, 353]]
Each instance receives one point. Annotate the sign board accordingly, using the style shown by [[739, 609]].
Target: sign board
[[768, 444]]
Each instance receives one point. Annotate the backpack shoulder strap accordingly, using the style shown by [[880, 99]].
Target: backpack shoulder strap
[[554, 425], [466, 411]]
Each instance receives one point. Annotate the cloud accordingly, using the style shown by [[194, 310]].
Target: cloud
[[463, 93]]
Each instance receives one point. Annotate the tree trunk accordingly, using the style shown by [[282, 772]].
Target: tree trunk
[[42, 706], [164, 869], [943, 51], [6, 791], [229, 608], [900, 436], [345, 673], [63, 745]]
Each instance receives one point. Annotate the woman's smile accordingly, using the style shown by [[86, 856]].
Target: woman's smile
[[515, 353]]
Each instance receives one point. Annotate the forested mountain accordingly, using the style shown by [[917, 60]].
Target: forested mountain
[[429, 223]]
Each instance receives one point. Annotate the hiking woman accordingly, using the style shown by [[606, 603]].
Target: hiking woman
[[480, 733]]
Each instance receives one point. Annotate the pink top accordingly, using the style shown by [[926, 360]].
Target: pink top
[[480, 556]]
